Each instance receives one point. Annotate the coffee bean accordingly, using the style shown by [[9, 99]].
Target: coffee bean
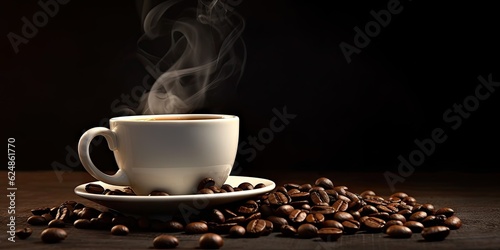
[[227, 187], [297, 216], [351, 226], [341, 216], [205, 183], [319, 197], [307, 231], [196, 228], [158, 193], [278, 198], [398, 231], [82, 224], [249, 207], [373, 224], [37, 220], [340, 205], [415, 226], [211, 241], [448, 212], [315, 218], [324, 182], [205, 191], [305, 187], [330, 233], [260, 185], [453, 222], [284, 210], [256, 227], [418, 216], [278, 222], [435, 233], [332, 223], [367, 193], [165, 241], [237, 219], [120, 230], [56, 223], [174, 226], [399, 217], [246, 186], [40, 211], [88, 213], [23, 233], [390, 223], [237, 231], [94, 188], [53, 235], [288, 231]]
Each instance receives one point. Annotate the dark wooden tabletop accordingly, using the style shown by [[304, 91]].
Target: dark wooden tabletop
[[473, 196]]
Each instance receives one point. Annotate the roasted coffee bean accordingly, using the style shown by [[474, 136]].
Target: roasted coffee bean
[[128, 221], [330, 233], [418, 216], [205, 183], [256, 227], [406, 213], [351, 226], [40, 211], [373, 224], [341, 189], [64, 212], [253, 217], [100, 223], [435, 233], [400, 195], [82, 224], [196, 228], [305, 187], [341, 216], [368, 209], [319, 197], [56, 223], [430, 221], [174, 226], [307, 231], [324, 182], [290, 186], [428, 208], [53, 235], [237, 231], [260, 185], [23, 233], [281, 189], [158, 193], [415, 226], [106, 217], [227, 187], [165, 241], [120, 230], [278, 222], [94, 188], [410, 200], [88, 213], [398, 231], [278, 198], [284, 210], [392, 222], [237, 219], [217, 216], [453, 222], [268, 229], [399, 217], [37, 220], [211, 241], [249, 207], [315, 218], [332, 223], [48, 216], [340, 205], [299, 196], [205, 191], [387, 209], [381, 215], [367, 193], [448, 212], [297, 216], [288, 231], [246, 186], [215, 189], [53, 211]]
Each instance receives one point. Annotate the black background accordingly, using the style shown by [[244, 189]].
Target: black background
[[359, 115]]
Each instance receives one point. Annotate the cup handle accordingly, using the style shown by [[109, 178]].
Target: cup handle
[[119, 178]]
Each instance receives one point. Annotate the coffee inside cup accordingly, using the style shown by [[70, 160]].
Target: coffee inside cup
[[182, 118]]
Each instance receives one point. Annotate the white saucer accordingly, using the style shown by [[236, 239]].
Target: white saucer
[[164, 205]]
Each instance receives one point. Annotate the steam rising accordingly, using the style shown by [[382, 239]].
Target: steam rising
[[202, 50]]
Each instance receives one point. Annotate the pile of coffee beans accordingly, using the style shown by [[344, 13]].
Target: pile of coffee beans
[[307, 211]]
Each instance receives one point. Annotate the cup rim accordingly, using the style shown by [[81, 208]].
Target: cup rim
[[142, 118]]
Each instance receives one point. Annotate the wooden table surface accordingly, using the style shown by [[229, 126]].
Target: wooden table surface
[[474, 197]]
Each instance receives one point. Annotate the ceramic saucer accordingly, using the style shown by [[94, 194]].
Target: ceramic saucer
[[161, 205]]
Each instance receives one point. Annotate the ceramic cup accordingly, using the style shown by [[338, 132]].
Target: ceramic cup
[[171, 153]]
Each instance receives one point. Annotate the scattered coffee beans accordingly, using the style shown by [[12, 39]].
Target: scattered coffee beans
[[307, 211]]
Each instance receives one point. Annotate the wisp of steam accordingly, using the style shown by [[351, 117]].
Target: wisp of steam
[[202, 50]]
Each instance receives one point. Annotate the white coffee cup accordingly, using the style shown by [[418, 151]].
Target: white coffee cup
[[171, 152]]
